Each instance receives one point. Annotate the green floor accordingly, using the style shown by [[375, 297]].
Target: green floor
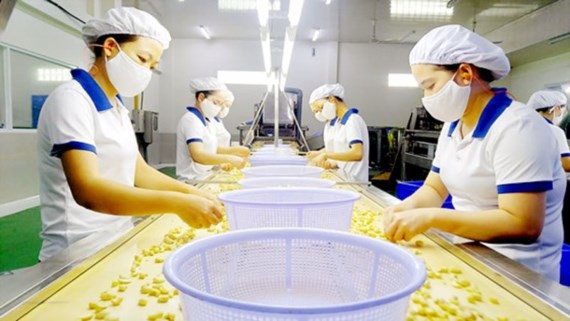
[[19, 236]]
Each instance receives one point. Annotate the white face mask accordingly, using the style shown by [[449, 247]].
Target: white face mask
[[329, 111], [209, 109], [558, 119], [127, 76], [449, 103], [319, 116], [224, 112]]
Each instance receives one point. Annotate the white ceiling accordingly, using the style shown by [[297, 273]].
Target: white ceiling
[[342, 20], [360, 21]]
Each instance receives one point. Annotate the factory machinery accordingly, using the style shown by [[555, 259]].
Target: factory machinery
[[105, 277]]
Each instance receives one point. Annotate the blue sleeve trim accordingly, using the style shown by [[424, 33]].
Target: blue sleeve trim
[[565, 155], [540, 186], [435, 169], [58, 149], [194, 140], [356, 141]]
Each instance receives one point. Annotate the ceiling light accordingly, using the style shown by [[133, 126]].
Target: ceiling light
[[266, 50], [262, 12], [287, 52], [205, 32], [401, 80], [316, 34], [328, 2], [295, 8], [435, 10]]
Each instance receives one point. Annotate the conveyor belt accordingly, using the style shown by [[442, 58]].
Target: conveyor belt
[[456, 290]]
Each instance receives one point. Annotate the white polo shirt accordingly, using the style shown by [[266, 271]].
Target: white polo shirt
[[350, 130], [78, 115], [511, 150], [193, 127], [561, 140], [329, 134], [223, 135]]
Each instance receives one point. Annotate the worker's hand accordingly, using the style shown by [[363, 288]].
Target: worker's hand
[[241, 151], [319, 160], [406, 224], [199, 212], [236, 161], [330, 164], [226, 167], [312, 154]]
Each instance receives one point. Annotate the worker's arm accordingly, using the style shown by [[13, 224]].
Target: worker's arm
[[200, 155], [519, 219], [150, 178], [354, 154], [240, 151], [103, 195], [566, 163], [431, 194], [314, 153]]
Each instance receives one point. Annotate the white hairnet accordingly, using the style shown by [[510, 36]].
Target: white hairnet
[[126, 21], [206, 84], [228, 96], [325, 91], [546, 98], [454, 44]]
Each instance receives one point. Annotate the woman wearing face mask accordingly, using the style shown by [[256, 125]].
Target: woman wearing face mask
[[494, 155], [551, 105], [92, 176], [223, 135], [197, 149], [345, 134]]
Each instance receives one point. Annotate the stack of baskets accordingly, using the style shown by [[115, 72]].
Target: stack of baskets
[[289, 257]]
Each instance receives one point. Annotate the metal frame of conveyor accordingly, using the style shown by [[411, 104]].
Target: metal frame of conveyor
[[253, 132], [37, 282]]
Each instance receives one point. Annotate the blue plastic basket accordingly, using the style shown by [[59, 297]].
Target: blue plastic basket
[[294, 274], [565, 265], [407, 188]]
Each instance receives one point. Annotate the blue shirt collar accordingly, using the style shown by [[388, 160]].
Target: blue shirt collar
[[92, 88], [548, 121], [198, 114], [490, 114], [333, 121], [347, 115]]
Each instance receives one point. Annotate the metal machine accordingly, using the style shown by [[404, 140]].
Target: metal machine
[[288, 127], [145, 124], [420, 141]]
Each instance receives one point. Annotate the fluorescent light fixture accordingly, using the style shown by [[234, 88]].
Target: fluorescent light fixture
[[295, 8], [401, 80], [53, 74], [263, 12], [316, 34], [266, 49], [245, 77], [434, 10], [327, 2], [508, 10], [271, 81], [205, 32], [244, 5], [287, 51]]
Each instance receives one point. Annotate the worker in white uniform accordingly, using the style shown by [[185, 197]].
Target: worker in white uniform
[[197, 148], [92, 176], [494, 155], [345, 134], [551, 105], [328, 131]]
